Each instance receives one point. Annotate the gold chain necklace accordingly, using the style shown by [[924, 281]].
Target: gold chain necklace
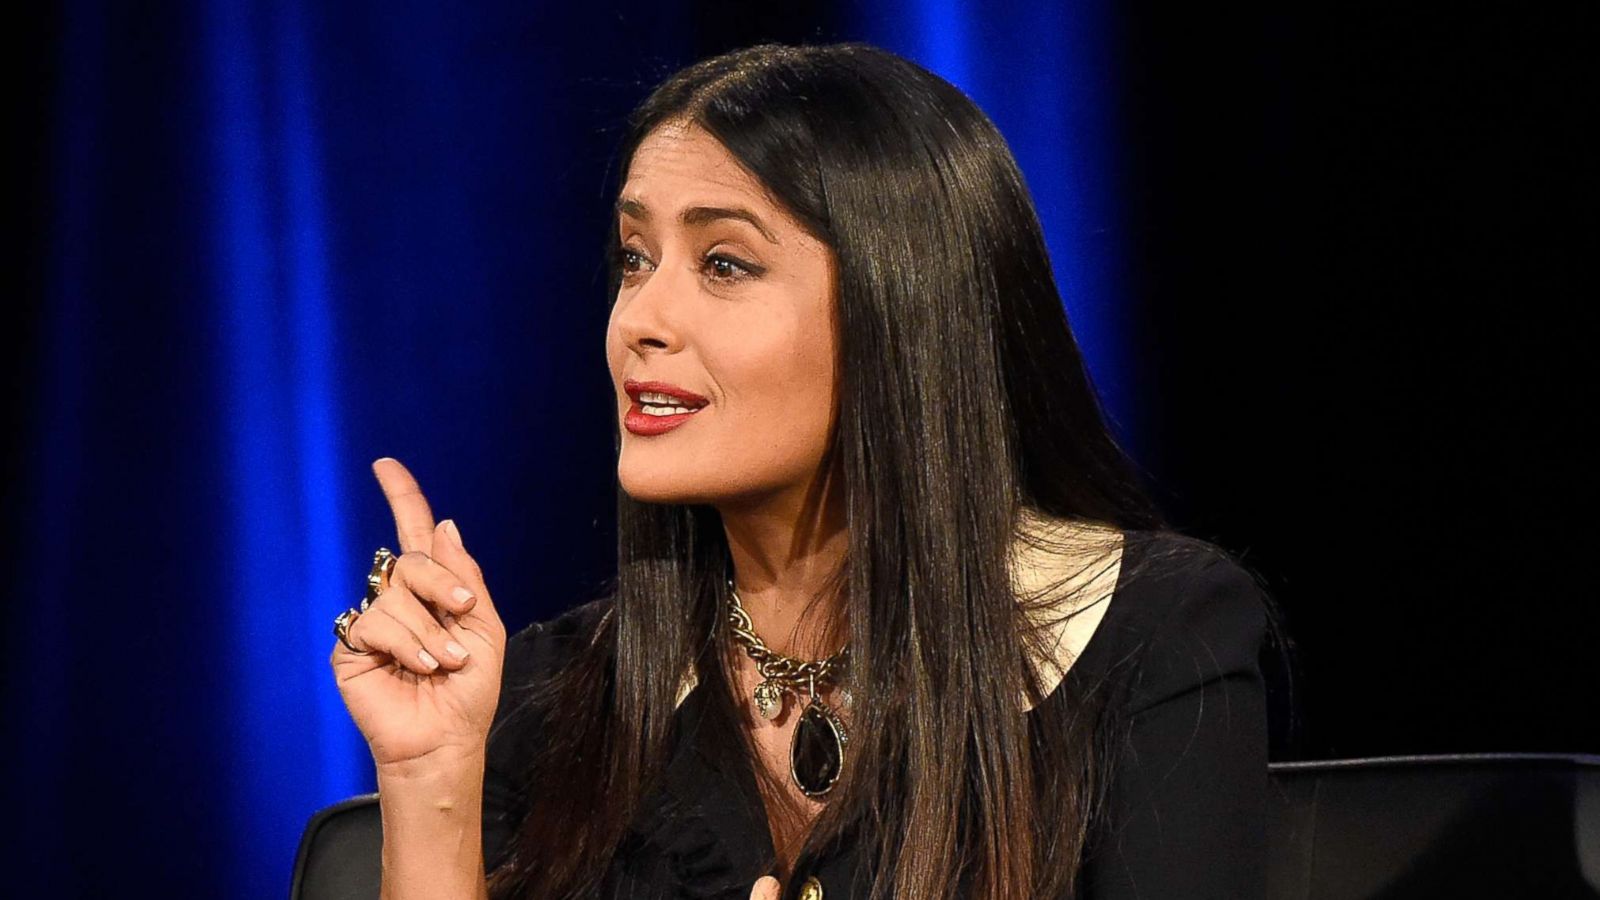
[[816, 752]]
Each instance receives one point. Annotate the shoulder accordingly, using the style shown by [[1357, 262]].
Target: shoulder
[[1185, 613], [1187, 742], [533, 655], [543, 647]]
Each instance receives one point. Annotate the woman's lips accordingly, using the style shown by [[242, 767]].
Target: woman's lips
[[639, 422]]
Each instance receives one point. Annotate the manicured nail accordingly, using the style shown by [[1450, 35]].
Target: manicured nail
[[456, 650], [461, 594], [427, 659], [455, 533]]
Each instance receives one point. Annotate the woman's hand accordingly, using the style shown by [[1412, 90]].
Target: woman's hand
[[415, 700], [767, 888]]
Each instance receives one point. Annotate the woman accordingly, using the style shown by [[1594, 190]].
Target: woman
[[892, 616]]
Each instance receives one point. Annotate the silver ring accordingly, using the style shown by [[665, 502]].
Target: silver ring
[[383, 563], [341, 629]]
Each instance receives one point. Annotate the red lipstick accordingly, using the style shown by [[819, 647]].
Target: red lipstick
[[689, 398], [641, 423]]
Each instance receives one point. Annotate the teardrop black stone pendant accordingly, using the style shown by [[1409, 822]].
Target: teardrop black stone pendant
[[816, 753]]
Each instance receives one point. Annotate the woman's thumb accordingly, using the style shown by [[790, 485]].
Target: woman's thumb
[[767, 888]]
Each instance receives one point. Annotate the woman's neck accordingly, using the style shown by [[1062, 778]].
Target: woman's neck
[[786, 552]]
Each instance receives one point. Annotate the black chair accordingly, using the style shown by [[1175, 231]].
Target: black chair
[[341, 852], [1508, 826]]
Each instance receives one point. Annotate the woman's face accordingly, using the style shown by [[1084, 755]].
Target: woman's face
[[726, 300]]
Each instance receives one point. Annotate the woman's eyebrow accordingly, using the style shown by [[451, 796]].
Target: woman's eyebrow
[[699, 215]]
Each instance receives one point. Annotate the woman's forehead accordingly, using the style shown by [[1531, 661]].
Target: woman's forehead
[[680, 166]]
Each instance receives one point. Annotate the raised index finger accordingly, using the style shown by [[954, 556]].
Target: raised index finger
[[413, 518]]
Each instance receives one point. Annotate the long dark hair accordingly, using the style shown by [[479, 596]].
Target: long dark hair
[[963, 402]]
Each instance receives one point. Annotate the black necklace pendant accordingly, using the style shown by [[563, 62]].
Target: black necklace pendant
[[816, 753]]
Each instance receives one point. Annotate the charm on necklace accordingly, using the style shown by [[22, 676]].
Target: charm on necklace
[[816, 753], [769, 700]]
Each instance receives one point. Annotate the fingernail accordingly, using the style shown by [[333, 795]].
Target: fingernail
[[456, 650], [427, 659], [455, 533], [461, 594]]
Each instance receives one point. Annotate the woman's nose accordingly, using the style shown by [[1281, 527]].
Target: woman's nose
[[651, 313]]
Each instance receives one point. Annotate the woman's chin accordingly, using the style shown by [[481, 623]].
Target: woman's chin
[[658, 488]]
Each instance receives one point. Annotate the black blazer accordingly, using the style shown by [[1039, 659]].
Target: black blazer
[[1186, 806]]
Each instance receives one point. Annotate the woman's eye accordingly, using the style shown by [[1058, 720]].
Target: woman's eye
[[629, 261], [726, 268]]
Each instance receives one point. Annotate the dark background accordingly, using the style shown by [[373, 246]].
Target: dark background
[[1334, 268]]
